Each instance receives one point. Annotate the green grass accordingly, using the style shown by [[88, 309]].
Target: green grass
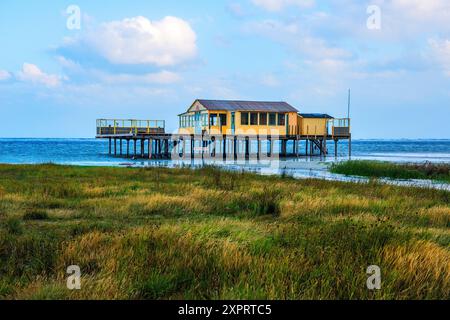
[[140, 233], [379, 169]]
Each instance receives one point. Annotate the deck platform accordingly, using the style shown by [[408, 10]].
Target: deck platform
[[155, 143]]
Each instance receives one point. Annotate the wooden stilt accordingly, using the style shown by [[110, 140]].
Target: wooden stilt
[[350, 146], [224, 147], [115, 147], [128, 148], [149, 147], [335, 147]]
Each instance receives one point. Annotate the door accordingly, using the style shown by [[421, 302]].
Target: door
[[197, 123], [232, 123]]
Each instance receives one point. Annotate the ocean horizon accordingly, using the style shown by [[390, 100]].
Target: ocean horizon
[[89, 151]]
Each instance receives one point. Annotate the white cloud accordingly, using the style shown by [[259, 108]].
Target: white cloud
[[236, 9], [162, 77], [32, 73], [137, 40], [4, 75], [411, 18], [270, 80], [278, 5], [292, 35], [441, 53]]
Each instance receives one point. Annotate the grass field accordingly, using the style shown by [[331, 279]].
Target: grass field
[[209, 234], [379, 169]]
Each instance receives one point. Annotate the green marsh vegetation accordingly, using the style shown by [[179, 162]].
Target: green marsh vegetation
[[380, 169], [141, 233]]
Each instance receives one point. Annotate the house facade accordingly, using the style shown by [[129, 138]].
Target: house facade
[[239, 118]]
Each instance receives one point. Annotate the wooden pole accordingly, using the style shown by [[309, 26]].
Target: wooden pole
[[224, 147], [235, 148], [115, 147], [335, 147], [128, 148], [306, 147], [109, 146], [150, 145], [350, 146], [135, 152]]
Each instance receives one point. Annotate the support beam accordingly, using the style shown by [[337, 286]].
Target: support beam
[[115, 146], [350, 146], [224, 147], [336, 147], [128, 148], [150, 147]]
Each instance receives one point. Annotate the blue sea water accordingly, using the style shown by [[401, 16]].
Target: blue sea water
[[95, 152], [91, 152]]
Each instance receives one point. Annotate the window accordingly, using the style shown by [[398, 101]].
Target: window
[[281, 119], [263, 119], [272, 119], [254, 119], [213, 119], [223, 119], [244, 118], [204, 119]]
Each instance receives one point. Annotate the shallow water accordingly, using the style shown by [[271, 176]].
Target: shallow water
[[91, 152]]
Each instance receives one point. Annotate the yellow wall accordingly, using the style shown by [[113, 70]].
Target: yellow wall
[[312, 126], [247, 129]]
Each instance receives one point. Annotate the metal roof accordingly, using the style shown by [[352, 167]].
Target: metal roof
[[235, 105], [316, 115]]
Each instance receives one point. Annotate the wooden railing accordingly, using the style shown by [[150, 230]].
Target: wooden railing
[[339, 127], [129, 127]]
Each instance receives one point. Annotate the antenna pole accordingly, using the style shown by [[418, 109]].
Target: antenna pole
[[348, 107]]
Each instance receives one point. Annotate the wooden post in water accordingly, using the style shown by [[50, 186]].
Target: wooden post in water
[[335, 147], [135, 151], [120, 146], [109, 146], [306, 147], [115, 147], [128, 148], [258, 147], [235, 148], [150, 147], [224, 147], [350, 146]]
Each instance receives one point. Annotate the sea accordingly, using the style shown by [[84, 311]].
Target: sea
[[92, 152]]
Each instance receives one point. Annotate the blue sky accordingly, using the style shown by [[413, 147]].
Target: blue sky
[[151, 59]]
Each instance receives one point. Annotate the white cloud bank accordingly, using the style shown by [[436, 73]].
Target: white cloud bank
[[32, 73], [278, 5], [441, 53], [4, 75], [137, 40]]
